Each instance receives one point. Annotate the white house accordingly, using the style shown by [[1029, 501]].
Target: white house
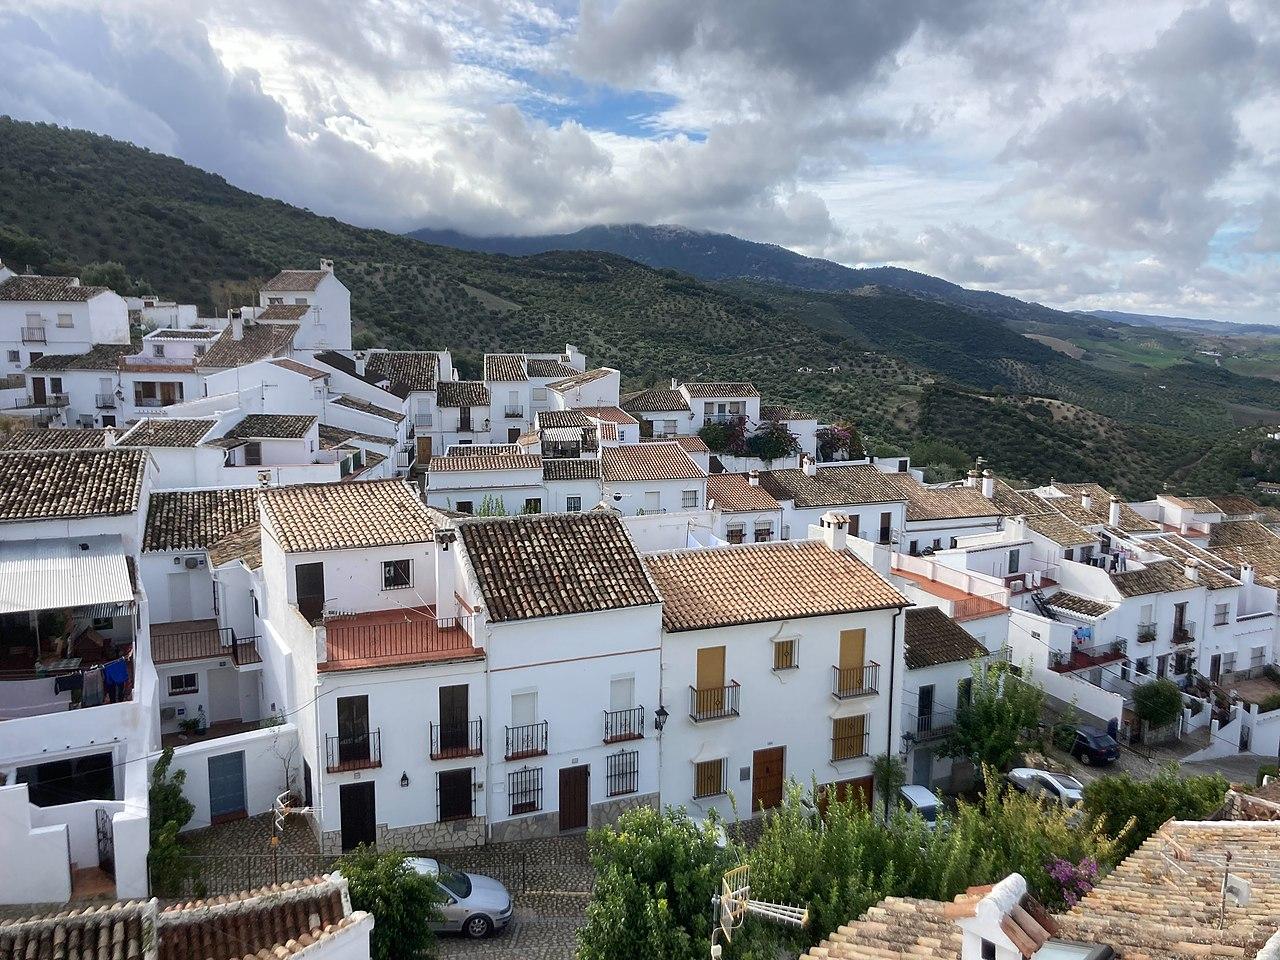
[[598, 387], [467, 483], [877, 509], [316, 300], [745, 511], [662, 412], [652, 478], [43, 315]]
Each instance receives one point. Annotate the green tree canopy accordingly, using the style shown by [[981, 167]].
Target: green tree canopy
[[993, 721], [1158, 702], [1113, 801], [403, 902]]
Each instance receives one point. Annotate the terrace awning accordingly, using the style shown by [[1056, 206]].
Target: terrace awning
[[79, 572]]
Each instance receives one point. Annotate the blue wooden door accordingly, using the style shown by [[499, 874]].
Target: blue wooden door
[[226, 787]]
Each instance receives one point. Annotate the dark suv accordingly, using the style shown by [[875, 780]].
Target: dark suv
[[1094, 746]]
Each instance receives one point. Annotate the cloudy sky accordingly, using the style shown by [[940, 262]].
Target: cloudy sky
[[1084, 153]]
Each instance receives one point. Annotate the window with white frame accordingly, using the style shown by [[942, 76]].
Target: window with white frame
[[275, 301], [736, 532], [524, 708], [784, 654], [397, 574], [668, 427], [15, 356], [622, 693], [300, 301], [1220, 614], [573, 504], [689, 499], [182, 684], [539, 393], [66, 320]]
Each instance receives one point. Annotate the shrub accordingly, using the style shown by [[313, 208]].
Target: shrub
[[1158, 703], [1269, 703], [403, 902], [995, 720], [772, 441], [167, 803], [1119, 803]]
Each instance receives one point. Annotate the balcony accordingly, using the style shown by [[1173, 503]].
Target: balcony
[[201, 640], [450, 741], [473, 426], [527, 740], [105, 401], [353, 751], [48, 400], [933, 725], [850, 682], [513, 411], [620, 725], [721, 418], [1146, 633], [405, 635], [34, 335], [422, 421], [714, 703], [850, 746], [1085, 658], [1184, 632]]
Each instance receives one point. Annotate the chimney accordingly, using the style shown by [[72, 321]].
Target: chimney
[[1086, 501], [1192, 568], [753, 478], [108, 437], [237, 325], [359, 360], [1246, 574], [810, 467], [1003, 923], [1113, 512], [326, 266], [675, 384], [972, 479], [75, 282], [446, 572], [988, 485], [835, 530]]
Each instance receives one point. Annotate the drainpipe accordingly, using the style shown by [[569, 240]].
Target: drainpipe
[[893, 667]]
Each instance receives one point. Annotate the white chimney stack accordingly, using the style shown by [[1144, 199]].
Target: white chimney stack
[[972, 479], [1113, 512], [835, 530], [237, 325], [108, 437], [326, 266], [753, 478], [988, 485], [1086, 501], [1246, 574], [1192, 568], [446, 572], [359, 359], [810, 467]]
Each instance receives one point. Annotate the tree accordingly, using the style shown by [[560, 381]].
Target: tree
[[167, 803], [109, 274], [993, 721], [773, 441], [403, 902], [889, 774], [1158, 703], [1114, 801], [656, 873], [839, 439], [726, 436]]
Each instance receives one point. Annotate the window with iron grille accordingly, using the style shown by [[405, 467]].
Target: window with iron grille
[[622, 772], [784, 654], [736, 533], [689, 499], [524, 787], [573, 504], [708, 778], [397, 574]]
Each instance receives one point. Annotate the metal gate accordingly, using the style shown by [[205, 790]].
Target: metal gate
[[106, 842]]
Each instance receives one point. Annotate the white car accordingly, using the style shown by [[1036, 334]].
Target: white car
[[921, 801], [473, 904], [1055, 787]]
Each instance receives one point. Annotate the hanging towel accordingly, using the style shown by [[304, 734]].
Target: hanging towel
[[116, 673], [92, 694], [68, 681]]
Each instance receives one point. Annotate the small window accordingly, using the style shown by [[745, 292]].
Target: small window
[[465, 506], [736, 533], [397, 574], [1220, 614], [275, 301], [539, 393], [157, 349], [105, 623], [1069, 554], [573, 504], [689, 499], [784, 654], [1014, 561], [181, 684], [65, 320], [622, 773], [525, 790], [300, 301], [533, 505], [988, 950], [15, 356], [652, 501], [253, 454], [708, 778], [200, 348], [764, 532], [1144, 665], [937, 543]]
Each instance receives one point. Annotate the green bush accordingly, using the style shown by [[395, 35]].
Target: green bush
[[1113, 801], [1158, 703], [167, 803], [996, 719], [1269, 703], [403, 902]]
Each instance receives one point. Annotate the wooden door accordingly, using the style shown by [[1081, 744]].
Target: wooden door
[[309, 578], [358, 814], [226, 787], [353, 729], [1215, 667], [710, 680], [453, 717], [456, 794], [424, 450], [574, 797], [768, 775], [860, 788], [853, 649], [168, 394], [37, 391]]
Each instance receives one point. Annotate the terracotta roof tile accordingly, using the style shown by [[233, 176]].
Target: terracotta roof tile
[[272, 426], [579, 379], [462, 393], [647, 461], [1215, 573], [344, 516], [505, 368], [331, 437], [1013, 503], [191, 333], [655, 400], [933, 638], [166, 432], [705, 391], [831, 486], [946, 503], [562, 418], [1060, 530], [244, 544], [1235, 533], [1072, 603], [555, 564], [542, 369], [1234, 505], [405, 370], [687, 444], [481, 449], [285, 363], [364, 406], [288, 281], [36, 289], [734, 493], [492, 461], [283, 312], [1163, 576], [1072, 507], [764, 582], [57, 438], [103, 356], [567, 468], [779, 411], [259, 342], [196, 519], [610, 415], [70, 483]]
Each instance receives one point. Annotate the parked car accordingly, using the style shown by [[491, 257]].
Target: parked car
[[475, 905], [1056, 787], [914, 798], [1094, 746]]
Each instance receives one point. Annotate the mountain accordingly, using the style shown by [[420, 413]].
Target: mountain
[[907, 370], [1185, 324]]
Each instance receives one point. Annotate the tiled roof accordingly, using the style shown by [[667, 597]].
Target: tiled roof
[[58, 438], [734, 493], [260, 341], [831, 486], [70, 483], [1060, 530], [1162, 576], [284, 312], [1263, 557], [579, 379], [779, 411], [567, 468], [286, 363], [291, 280], [364, 406], [555, 564], [504, 368], [171, 333], [1235, 533], [763, 582], [1233, 504], [933, 638], [707, 391], [493, 461], [1013, 503], [103, 356], [244, 544], [687, 444], [166, 432], [1099, 509], [462, 393], [562, 418], [196, 519], [946, 503], [331, 437], [36, 289], [647, 461], [481, 449], [548, 369], [405, 370], [345, 364], [344, 516], [1215, 573], [272, 426], [610, 415], [1084, 606], [655, 400]]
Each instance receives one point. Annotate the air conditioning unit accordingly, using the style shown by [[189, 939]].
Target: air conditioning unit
[[168, 713], [191, 562], [1016, 586]]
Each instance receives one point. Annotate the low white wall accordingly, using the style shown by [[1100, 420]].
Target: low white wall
[[33, 866], [82, 826], [132, 832], [265, 754]]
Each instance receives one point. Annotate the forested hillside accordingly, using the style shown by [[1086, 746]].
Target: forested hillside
[[904, 369]]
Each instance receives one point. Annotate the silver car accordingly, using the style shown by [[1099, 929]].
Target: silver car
[[1054, 787], [473, 904]]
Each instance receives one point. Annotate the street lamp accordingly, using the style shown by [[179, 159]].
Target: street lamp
[[660, 718]]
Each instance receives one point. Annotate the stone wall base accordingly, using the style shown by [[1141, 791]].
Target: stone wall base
[[525, 828], [607, 812], [452, 835]]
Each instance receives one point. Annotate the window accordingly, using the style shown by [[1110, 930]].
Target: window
[[736, 533], [200, 350], [849, 737], [708, 779], [65, 320], [764, 532], [108, 420], [1229, 662], [988, 950], [622, 773], [886, 526], [937, 543], [300, 301], [1144, 666], [573, 504], [108, 623], [15, 356], [1257, 657], [253, 454], [1181, 663], [465, 506], [184, 683], [397, 574], [275, 301], [533, 505], [1219, 614], [1015, 559], [524, 786], [539, 393], [652, 501], [914, 548], [622, 693], [784, 654], [157, 349], [689, 499], [669, 427], [1069, 554]]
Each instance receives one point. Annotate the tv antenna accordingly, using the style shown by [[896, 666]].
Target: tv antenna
[[734, 902]]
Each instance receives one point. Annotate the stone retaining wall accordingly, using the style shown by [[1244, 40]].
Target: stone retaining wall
[[452, 835]]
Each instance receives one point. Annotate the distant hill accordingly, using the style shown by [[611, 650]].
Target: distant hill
[[1184, 324]]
